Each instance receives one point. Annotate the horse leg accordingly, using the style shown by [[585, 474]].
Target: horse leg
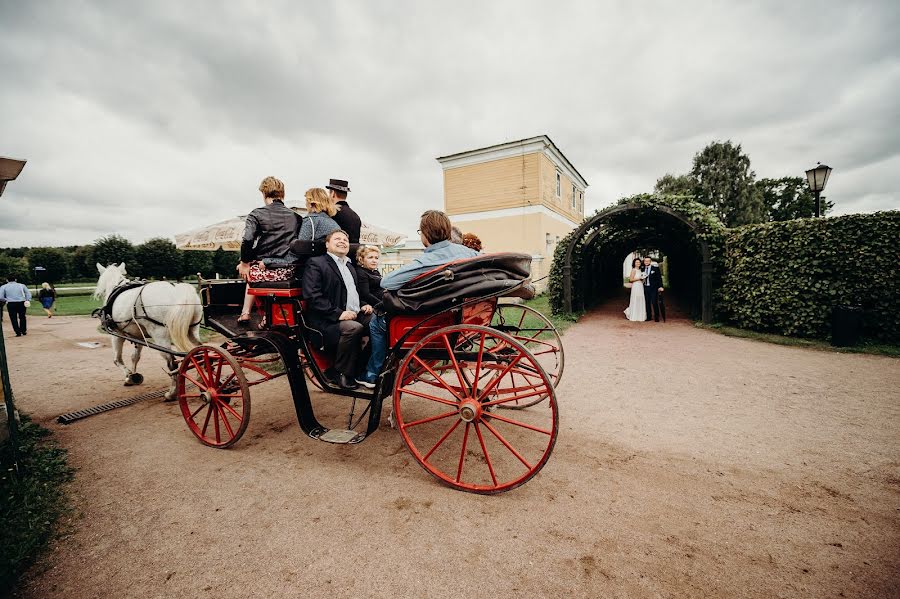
[[136, 378], [118, 343], [173, 374]]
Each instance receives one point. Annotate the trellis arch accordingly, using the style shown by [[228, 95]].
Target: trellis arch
[[598, 223]]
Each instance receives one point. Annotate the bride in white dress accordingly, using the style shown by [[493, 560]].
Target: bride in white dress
[[637, 308]]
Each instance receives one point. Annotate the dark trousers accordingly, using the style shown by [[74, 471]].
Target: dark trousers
[[17, 316], [349, 344], [651, 295]]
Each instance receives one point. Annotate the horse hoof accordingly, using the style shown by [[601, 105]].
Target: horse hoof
[[134, 379]]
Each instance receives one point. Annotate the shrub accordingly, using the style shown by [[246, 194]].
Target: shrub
[[787, 277], [32, 502]]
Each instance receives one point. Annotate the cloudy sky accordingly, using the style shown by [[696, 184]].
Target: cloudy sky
[[152, 118]]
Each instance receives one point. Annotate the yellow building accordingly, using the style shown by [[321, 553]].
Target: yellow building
[[521, 196]]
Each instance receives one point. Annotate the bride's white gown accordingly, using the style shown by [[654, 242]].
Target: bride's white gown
[[637, 307]]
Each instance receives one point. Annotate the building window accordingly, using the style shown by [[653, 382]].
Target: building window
[[580, 202], [574, 196], [558, 184]]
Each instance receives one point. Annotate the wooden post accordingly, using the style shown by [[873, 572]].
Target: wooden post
[[706, 273], [6, 392]]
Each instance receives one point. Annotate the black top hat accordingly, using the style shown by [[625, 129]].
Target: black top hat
[[338, 185]]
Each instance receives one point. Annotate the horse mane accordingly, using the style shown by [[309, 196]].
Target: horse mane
[[107, 282]]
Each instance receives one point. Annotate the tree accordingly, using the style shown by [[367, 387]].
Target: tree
[[724, 182], [675, 185], [113, 249], [54, 262], [193, 262], [82, 262], [158, 258], [13, 266], [788, 198], [225, 263]]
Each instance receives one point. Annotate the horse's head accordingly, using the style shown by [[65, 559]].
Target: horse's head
[[110, 276]]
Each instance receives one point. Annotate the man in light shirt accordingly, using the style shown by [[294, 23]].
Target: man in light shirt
[[333, 307], [15, 295], [435, 233]]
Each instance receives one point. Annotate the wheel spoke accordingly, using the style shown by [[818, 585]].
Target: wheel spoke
[[497, 402], [197, 411], [441, 440], [459, 375], [430, 419], [431, 397], [506, 444], [198, 385], [209, 369], [493, 384], [486, 456], [206, 422], [478, 363], [216, 421], [436, 377], [219, 365], [225, 420], [530, 427], [231, 409], [199, 370], [462, 453]]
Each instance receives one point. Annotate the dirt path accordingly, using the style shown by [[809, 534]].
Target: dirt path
[[688, 464]]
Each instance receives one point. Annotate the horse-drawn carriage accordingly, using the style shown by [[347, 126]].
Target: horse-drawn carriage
[[460, 361]]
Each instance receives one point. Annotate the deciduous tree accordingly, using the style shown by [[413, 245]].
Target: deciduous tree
[[113, 249], [788, 198], [724, 182]]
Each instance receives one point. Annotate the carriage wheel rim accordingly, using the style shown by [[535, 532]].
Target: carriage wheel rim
[[472, 417], [514, 315], [217, 406]]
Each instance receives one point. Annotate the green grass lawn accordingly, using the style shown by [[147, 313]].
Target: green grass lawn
[[864, 347], [561, 321], [71, 305]]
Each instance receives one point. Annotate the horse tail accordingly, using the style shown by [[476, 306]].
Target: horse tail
[[183, 317]]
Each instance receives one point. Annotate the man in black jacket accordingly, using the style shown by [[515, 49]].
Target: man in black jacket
[[652, 283], [333, 306], [346, 217]]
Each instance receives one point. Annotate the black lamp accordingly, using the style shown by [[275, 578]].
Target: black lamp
[[817, 178]]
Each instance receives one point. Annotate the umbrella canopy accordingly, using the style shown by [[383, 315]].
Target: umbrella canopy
[[227, 235]]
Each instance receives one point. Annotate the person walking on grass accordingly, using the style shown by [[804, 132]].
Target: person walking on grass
[[47, 297], [18, 298]]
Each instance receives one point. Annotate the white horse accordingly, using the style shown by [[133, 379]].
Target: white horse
[[162, 313]]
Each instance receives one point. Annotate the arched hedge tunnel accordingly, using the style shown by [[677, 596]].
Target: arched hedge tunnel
[[591, 261]]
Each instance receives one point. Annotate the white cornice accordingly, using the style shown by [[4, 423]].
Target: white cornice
[[507, 212], [541, 143]]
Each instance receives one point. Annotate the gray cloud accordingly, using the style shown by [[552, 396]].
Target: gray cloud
[[153, 118]]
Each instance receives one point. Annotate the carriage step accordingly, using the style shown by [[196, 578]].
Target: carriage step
[[106, 407], [340, 436]]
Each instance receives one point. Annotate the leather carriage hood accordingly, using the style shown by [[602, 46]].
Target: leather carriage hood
[[449, 285]]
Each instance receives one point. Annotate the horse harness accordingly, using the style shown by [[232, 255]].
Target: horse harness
[[105, 313]]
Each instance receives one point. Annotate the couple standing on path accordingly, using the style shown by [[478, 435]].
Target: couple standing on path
[[646, 285]]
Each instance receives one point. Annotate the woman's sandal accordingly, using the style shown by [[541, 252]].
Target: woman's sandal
[[244, 319]]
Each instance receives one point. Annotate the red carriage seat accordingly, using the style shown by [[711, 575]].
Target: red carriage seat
[[440, 289], [281, 301]]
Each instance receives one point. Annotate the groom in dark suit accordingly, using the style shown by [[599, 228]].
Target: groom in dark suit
[[652, 286], [334, 307]]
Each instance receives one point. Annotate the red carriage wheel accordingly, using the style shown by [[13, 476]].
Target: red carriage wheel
[[214, 396], [538, 335], [448, 389]]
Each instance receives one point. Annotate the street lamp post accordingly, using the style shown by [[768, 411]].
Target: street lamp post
[[817, 178]]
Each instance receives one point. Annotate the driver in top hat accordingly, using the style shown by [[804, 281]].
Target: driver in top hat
[[346, 218]]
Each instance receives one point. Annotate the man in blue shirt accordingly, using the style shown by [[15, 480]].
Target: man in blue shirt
[[15, 295], [434, 231]]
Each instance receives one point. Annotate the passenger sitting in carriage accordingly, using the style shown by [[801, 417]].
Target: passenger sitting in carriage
[[265, 250], [434, 231], [333, 306]]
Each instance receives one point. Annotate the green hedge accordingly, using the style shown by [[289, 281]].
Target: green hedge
[[786, 277]]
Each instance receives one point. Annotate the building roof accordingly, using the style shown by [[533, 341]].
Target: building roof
[[512, 148]]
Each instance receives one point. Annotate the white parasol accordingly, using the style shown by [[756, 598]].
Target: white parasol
[[228, 234]]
